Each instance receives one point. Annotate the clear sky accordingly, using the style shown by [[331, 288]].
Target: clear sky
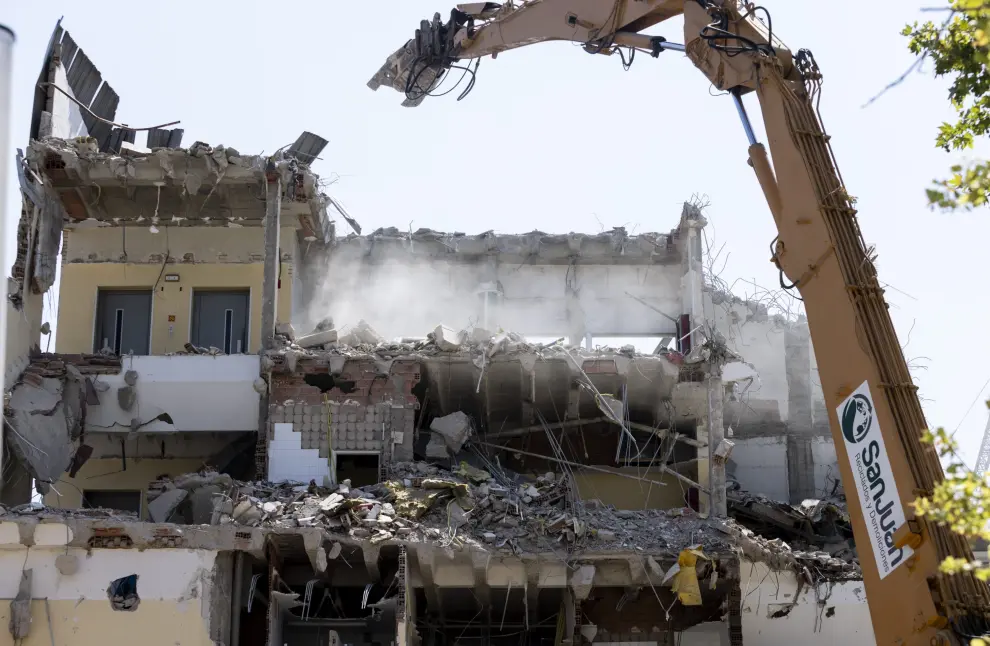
[[554, 139]]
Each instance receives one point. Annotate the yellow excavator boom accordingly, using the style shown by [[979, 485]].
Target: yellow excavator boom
[[874, 411]]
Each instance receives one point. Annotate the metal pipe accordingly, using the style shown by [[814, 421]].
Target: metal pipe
[[6, 216], [741, 109], [643, 41]]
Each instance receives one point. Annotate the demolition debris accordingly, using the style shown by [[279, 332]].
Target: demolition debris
[[470, 509]]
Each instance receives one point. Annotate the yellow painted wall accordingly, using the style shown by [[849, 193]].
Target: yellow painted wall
[[81, 283], [624, 493], [94, 622], [107, 475]]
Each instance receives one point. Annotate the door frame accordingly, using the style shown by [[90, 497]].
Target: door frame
[[132, 289], [247, 315]]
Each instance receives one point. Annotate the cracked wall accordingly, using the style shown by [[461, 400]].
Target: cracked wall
[[69, 600], [778, 609], [46, 418], [783, 444]]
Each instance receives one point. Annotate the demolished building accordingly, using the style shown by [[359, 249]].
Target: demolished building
[[396, 437]]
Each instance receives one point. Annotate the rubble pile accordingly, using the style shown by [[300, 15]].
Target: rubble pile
[[362, 339], [471, 508], [467, 508], [824, 524], [814, 564], [41, 512]]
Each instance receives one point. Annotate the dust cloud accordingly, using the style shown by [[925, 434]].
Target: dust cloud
[[401, 296]]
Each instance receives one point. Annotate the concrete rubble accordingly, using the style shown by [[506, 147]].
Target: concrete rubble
[[479, 343], [813, 523], [471, 509]]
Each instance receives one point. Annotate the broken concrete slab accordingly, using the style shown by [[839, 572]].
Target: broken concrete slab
[[582, 580], [160, 508], [362, 334], [46, 418], [447, 340], [317, 339], [455, 429], [436, 447], [289, 332], [126, 397], [202, 503]]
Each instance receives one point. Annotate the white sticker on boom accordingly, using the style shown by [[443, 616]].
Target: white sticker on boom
[[873, 479]]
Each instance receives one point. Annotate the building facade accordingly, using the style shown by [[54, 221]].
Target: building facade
[[394, 437]]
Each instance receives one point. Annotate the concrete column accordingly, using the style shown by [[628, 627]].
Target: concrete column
[[269, 290], [269, 305], [716, 433], [692, 283], [800, 425], [570, 612]]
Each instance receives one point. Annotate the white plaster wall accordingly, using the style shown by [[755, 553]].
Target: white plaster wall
[[174, 586], [288, 461], [199, 392], [166, 574], [412, 299], [826, 465], [767, 593], [818, 407], [760, 465], [710, 633], [760, 343], [22, 332]]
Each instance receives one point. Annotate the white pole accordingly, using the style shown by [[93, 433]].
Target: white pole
[[6, 216]]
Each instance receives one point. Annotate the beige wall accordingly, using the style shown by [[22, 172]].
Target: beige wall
[[107, 475], [73, 621], [174, 587], [204, 259], [624, 493]]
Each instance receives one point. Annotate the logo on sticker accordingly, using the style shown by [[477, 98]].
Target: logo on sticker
[[857, 418]]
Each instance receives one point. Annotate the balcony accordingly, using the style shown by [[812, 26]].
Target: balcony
[[169, 394]]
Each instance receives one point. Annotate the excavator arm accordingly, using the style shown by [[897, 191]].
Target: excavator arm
[[874, 411]]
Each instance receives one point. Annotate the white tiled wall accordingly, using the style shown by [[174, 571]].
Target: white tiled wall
[[287, 460]]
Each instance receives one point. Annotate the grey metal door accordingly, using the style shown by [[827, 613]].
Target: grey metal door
[[220, 320], [123, 321]]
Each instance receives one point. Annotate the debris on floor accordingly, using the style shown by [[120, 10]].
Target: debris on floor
[[824, 524], [481, 344], [472, 509]]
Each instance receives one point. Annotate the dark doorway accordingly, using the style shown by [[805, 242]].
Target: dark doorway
[[220, 320], [123, 322]]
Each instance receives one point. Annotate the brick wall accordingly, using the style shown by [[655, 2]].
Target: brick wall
[[368, 412], [369, 387]]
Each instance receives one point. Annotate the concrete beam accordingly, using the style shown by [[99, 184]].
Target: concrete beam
[[716, 434], [482, 590], [570, 603], [532, 597], [370, 554], [425, 563]]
